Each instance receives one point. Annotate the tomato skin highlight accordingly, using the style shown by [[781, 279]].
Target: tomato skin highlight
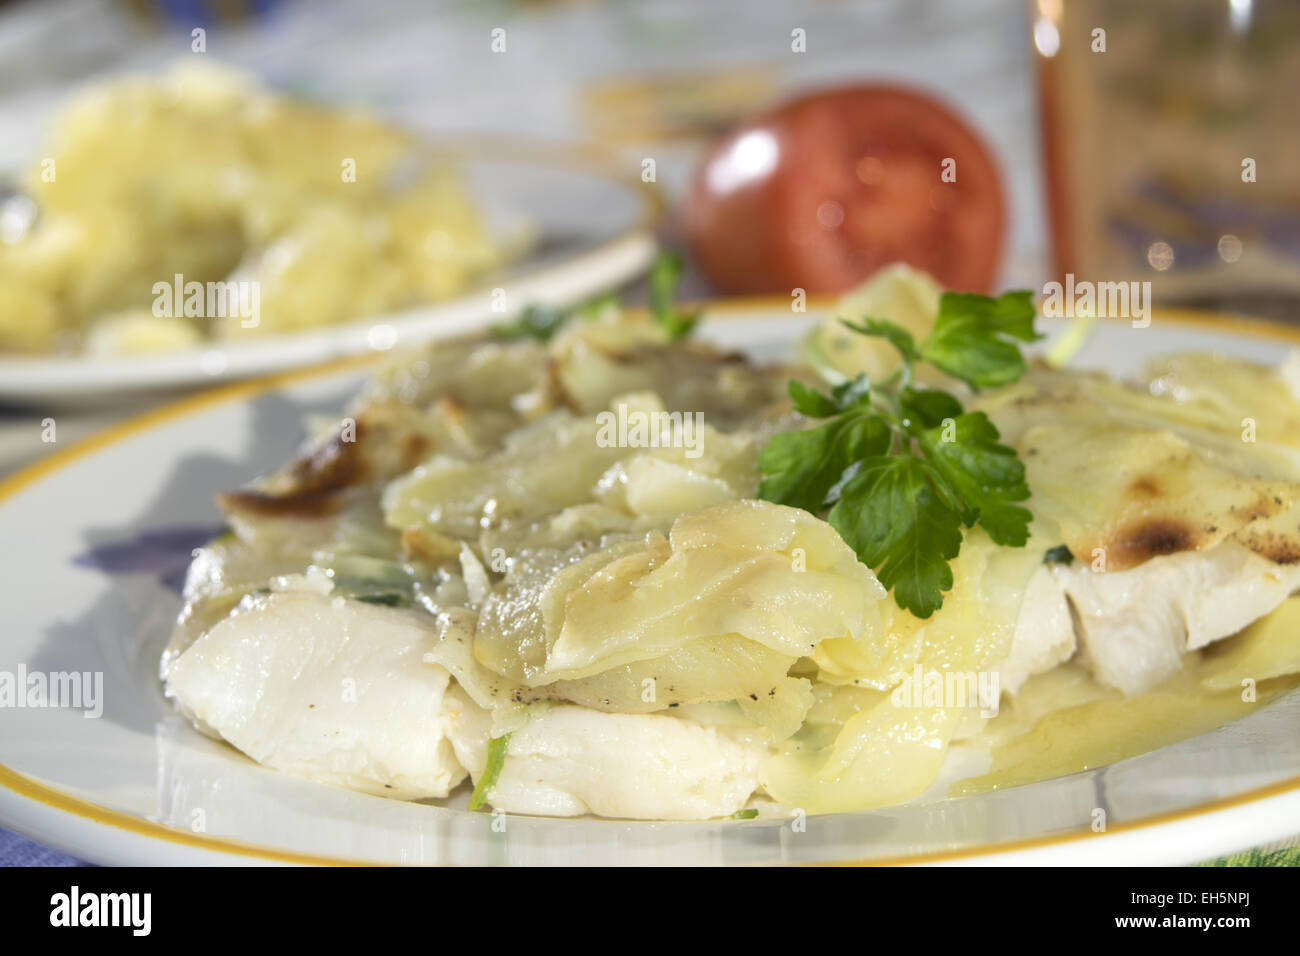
[[821, 192]]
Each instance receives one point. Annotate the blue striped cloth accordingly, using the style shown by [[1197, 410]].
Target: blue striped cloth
[[17, 850]]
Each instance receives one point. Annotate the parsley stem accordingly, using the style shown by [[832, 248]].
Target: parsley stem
[[487, 781]]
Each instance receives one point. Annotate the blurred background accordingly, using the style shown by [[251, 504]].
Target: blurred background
[[654, 79], [1111, 140], [1119, 155]]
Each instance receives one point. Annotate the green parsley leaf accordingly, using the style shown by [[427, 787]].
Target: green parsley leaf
[[986, 476], [892, 516], [974, 337], [665, 273], [898, 336], [855, 391], [802, 467], [927, 407], [811, 403]]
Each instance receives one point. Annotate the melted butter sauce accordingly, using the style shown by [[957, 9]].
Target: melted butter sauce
[[1062, 721]]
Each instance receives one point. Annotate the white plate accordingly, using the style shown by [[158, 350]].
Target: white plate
[[138, 785], [591, 224]]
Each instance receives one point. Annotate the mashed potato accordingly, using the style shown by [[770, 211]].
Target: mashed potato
[[202, 174]]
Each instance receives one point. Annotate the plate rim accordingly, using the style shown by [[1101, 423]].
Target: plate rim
[[24, 788], [28, 790]]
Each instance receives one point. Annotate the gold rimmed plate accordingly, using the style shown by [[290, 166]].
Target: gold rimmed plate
[[99, 535]]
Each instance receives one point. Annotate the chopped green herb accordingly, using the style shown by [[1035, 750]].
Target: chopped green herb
[[903, 469], [387, 599], [539, 322], [664, 276], [369, 579], [496, 759], [594, 308], [1058, 555], [542, 322], [745, 814]]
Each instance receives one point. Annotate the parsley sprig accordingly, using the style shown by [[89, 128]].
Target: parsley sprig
[[900, 469]]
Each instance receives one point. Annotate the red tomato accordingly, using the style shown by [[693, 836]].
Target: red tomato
[[823, 191]]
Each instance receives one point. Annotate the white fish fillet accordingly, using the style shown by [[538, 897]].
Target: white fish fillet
[[328, 689], [567, 760], [1044, 635], [1135, 626]]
